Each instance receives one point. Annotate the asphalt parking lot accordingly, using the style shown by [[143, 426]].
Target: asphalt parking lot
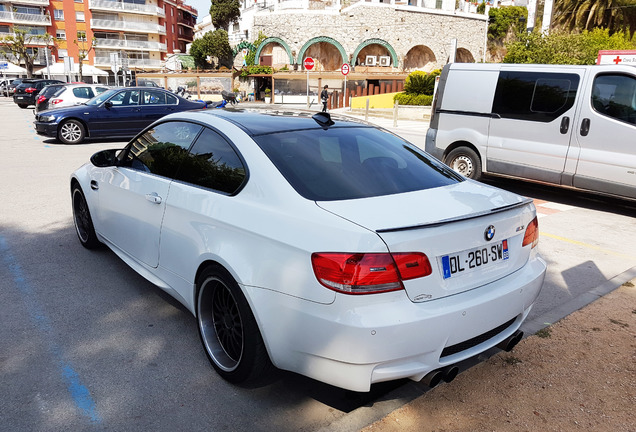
[[90, 345]]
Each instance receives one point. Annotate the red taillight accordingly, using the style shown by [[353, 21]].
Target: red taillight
[[56, 101], [41, 99], [368, 273], [30, 90], [532, 233]]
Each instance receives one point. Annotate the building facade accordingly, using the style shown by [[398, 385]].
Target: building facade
[[369, 35], [113, 35]]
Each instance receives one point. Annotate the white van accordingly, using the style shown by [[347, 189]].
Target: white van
[[573, 126]]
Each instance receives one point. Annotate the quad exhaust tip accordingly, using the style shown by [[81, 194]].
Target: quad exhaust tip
[[511, 341], [435, 377]]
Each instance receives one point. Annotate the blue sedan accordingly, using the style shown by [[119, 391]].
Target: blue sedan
[[122, 112]]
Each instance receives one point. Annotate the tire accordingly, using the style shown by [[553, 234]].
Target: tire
[[82, 219], [71, 132], [228, 329], [23, 106], [465, 161]]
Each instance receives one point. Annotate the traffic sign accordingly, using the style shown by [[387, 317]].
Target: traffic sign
[[4, 65], [308, 63], [345, 68]]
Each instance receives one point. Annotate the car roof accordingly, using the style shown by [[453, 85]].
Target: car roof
[[255, 121]]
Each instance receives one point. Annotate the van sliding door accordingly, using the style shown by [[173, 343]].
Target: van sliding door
[[606, 134], [533, 113]]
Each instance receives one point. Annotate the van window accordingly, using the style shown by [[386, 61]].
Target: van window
[[534, 96], [615, 96]]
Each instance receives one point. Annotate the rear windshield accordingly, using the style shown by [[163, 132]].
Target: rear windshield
[[352, 162]]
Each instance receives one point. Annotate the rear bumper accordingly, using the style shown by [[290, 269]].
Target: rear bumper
[[361, 340]]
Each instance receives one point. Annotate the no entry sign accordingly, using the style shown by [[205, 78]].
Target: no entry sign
[[308, 63], [345, 68]]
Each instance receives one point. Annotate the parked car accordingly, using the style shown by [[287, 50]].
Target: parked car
[[329, 247], [42, 102], [14, 83], [72, 94], [545, 123], [4, 86], [27, 92], [121, 112]]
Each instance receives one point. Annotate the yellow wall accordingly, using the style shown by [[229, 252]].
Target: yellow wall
[[375, 101]]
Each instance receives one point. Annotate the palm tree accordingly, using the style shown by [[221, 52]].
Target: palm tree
[[615, 15]]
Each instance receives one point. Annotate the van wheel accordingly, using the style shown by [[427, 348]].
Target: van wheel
[[465, 161]]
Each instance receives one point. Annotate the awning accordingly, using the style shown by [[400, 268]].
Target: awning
[[13, 69], [87, 70]]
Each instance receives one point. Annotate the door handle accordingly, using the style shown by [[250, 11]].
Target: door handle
[[153, 198], [585, 127], [94, 185], [565, 125]]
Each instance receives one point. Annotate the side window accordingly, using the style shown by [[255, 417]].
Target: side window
[[534, 96], [153, 97], [162, 149], [83, 92], [171, 99], [213, 164], [615, 97], [124, 98]]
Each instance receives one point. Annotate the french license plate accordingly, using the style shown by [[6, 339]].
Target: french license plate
[[466, 261], [19, 97]]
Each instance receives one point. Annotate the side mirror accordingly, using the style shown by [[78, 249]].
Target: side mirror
[[108, 104], [105, 158]]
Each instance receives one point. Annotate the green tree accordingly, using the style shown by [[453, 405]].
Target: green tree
[[506, 19], [225, 12], [83, 49], [250, 59], [615, 15], [564, 47], [213, 49], [17, 47]]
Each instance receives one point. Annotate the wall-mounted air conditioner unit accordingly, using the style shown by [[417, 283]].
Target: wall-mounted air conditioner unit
[[371, 60], [385, 61]]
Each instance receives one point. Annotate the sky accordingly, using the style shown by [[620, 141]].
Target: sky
[[202, 6]]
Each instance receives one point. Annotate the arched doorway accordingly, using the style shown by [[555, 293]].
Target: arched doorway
[[375, 53], [420, 58], [464, 56], [328, 54]]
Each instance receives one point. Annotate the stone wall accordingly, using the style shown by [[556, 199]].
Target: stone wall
[[401, 27]]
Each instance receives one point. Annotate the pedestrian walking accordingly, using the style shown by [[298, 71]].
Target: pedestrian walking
[[324, 96]]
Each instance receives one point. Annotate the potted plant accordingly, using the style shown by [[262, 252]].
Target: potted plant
[[268, 95]]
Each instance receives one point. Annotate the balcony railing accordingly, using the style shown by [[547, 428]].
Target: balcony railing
[[28, 2], [138, 63], [131, 26], [22, 18], [109, 5], [29, 41], [189, 22], [130, 44]]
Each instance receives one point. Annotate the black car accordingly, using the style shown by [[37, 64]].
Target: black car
[[27, 92], [121, 112], [42, 101], [12, 85]]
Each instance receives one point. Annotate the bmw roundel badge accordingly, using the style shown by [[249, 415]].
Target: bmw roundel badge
[[489, 233]]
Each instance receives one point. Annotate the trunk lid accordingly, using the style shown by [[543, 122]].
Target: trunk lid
[[452, 226]]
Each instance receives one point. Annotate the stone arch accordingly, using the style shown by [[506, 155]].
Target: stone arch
[[464, 56], [275, 40], [383, 43], [244, 44], [420, 57], [326, 40]]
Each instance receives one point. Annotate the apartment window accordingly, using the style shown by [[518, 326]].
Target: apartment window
[[60, 34], [81, 36], [79, 16], [172, 11], [58, 14], [172, 28], [79, 1], [61, 53]]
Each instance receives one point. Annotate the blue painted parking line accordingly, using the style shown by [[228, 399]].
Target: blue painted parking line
[[79, 393]]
